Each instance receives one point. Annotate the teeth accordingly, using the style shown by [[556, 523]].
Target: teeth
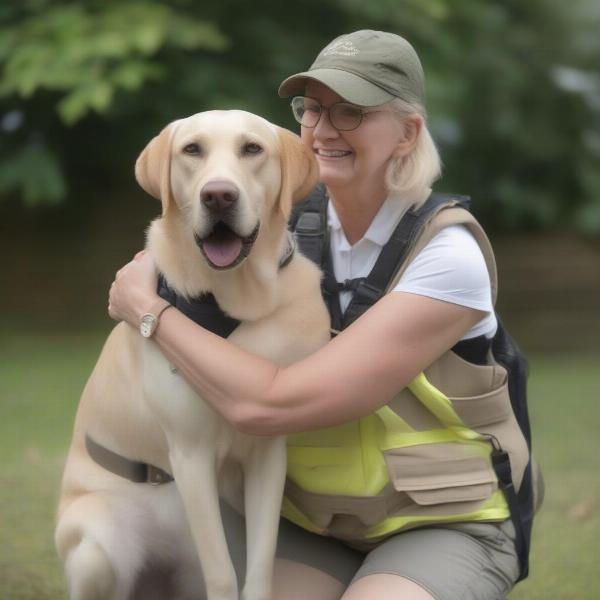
[[331, 153]]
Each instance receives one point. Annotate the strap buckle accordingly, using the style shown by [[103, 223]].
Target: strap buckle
[[368, 292], [309, 223]]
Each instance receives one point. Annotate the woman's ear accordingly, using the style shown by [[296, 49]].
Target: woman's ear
[[411, 129]]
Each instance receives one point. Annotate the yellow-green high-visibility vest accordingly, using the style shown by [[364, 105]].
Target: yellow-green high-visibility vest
[[424, 458]]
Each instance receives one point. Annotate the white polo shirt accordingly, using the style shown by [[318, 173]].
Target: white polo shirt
[[451, 267]]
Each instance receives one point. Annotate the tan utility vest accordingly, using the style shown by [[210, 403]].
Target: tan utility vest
[[422, 459]]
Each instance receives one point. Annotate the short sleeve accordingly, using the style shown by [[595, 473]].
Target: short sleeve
[[451, 267]]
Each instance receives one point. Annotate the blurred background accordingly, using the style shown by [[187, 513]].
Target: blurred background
[[513, 94]]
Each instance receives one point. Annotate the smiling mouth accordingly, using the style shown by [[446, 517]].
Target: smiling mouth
[[332, 153], [223, 248]]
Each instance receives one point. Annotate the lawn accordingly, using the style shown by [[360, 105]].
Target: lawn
[[41, 377]]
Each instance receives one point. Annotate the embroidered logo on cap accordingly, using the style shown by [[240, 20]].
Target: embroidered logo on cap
[[341, 48]]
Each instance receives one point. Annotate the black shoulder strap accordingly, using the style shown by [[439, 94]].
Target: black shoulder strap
[[371, 288], [309, 224]]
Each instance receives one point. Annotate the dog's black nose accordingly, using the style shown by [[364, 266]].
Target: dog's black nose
[[218, 196]]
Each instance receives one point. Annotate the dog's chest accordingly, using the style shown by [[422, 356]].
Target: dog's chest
[[171, 397], [185, 417]]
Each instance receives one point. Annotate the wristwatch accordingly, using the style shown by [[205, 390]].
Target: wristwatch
[[149, 320]]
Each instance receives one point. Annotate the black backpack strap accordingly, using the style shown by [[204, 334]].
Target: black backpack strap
[[521, 516], [309, 224], [522, 506], [394, 253]]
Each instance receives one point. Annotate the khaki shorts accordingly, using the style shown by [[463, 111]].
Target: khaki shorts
[[467, 561]]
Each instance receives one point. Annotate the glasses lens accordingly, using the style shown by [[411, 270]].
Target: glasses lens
[[306, 111], [345, 116]]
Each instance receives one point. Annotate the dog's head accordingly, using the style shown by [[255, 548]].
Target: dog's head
[[230, 175]]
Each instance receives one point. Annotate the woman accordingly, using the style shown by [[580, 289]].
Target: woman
[[361, 110]]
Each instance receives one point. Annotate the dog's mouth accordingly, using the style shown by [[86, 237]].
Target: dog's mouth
[[223, 248]]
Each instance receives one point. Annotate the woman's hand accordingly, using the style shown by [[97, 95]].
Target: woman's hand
[[133, 291]]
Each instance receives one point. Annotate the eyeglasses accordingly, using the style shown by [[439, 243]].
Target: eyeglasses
[[342, 115]]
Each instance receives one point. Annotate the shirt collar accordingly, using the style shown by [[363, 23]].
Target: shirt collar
[[382, 226]]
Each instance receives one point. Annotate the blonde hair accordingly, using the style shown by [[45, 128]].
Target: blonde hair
[[412, 175]]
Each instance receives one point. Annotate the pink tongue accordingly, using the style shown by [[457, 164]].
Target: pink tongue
[[222, 251]]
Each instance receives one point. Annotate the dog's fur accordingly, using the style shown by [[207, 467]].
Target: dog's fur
[[109, 529]]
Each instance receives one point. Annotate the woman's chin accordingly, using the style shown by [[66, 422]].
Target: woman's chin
[[333, 177]]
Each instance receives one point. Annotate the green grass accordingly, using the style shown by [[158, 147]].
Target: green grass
[[41, 378], [565, 406]]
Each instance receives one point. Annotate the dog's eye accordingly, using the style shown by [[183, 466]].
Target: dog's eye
[[192, 149], [252, 148]]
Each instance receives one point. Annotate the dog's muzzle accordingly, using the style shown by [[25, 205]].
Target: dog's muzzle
[[223, 247]]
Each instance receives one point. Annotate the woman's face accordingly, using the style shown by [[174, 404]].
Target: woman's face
[[357, 157]]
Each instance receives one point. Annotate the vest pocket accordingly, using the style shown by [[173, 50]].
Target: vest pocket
[[491, 415], [441, 473], [484, 409]]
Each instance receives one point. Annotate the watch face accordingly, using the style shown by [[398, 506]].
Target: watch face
[[147, 325]]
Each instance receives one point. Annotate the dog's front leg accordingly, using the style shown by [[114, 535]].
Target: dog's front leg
[[195, 473], [264, 479]]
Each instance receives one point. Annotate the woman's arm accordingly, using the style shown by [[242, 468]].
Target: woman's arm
[[356, 373]]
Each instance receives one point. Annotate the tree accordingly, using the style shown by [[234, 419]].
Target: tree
[[514, 98], [513, 89], [63, 61]]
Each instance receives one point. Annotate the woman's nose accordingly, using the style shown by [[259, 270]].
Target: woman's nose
[[324, 128]]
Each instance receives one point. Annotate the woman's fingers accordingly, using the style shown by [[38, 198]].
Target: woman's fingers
[[134, 286]]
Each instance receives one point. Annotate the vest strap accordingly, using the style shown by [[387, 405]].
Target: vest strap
[[501, 464], [309, 223], [394, 253]]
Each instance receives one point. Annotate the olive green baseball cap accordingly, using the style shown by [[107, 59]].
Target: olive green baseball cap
[[365, 67]]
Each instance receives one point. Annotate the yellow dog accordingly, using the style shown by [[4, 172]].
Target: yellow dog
[[227, 181]]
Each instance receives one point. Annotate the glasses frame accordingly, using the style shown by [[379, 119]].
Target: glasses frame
[[328, 109]]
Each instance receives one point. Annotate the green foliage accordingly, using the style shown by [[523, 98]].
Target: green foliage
[[35, 170], [522, 145], [75, 59], [514, 101], [88, 53], [513, 88]]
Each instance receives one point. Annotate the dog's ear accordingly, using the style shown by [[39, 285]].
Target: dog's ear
[[299, 170], [153, 167]]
